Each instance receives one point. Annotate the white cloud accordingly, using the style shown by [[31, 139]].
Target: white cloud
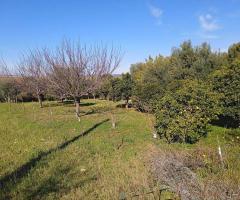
[[208, 23], [155, 11]]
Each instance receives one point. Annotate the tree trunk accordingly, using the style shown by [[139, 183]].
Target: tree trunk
[[127, 103], [77, 103], [40, 100], [8, 99]]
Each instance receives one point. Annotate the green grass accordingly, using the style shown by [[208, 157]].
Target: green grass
[[44, 156], [95, 166]]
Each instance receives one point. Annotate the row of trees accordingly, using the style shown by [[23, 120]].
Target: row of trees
[[71, 70], [185, 91], [188, 89], [116, 88]]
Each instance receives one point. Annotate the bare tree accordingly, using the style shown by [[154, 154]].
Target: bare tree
[[75, 70], [4, 70], [9, 83], [31, 69]]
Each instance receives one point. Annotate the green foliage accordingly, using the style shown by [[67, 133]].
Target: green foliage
[[192, 77], [150, 80], [233, 136], [84, 165], [183, 116], [226, 81], [126, 86], [104, 89], [234, 52], [8, 90], [115, 90], [186, 54]]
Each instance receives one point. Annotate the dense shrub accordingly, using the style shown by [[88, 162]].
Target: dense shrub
[[188, 89], [226, 81], [183, 115]]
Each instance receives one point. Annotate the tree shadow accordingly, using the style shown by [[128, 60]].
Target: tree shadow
[[8, 181], [123, 105], [226, 122], [66, 104], [58, 103], [50, 185], [58, 182]]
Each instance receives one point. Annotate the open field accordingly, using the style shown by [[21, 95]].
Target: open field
[[47, 154], [118, 100]]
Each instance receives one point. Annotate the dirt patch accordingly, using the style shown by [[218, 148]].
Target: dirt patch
[[169, 169]]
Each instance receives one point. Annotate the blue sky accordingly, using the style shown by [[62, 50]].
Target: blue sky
[[140, 27]]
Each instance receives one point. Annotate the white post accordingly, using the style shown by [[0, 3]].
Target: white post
[[220, 153]]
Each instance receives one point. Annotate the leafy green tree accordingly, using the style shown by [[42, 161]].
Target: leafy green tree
[[226, 82], [182, 60], [149, 81], [104, 89], [126, 87], [9, 89], [115, 91], [234, 52], [183, 115]]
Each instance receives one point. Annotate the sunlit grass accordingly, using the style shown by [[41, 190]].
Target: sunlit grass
[[98, 165], [94, 166]]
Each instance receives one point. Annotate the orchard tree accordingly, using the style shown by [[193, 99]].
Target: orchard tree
[[183, 115], [74, 70], [126, 87], [104, 89], [9, 84], [31, 70], [115, 91], [226, 82], [149, 81], [9, 89]]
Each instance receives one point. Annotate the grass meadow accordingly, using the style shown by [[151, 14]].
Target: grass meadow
[[46, 153]]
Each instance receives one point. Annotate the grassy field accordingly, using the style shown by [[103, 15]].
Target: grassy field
[[47, 154]]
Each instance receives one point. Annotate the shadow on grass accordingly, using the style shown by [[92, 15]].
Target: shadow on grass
[[50, 185], [226, 122], [66, 103], [58, 103], [123, 105], [7, 182], [59, 182]]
